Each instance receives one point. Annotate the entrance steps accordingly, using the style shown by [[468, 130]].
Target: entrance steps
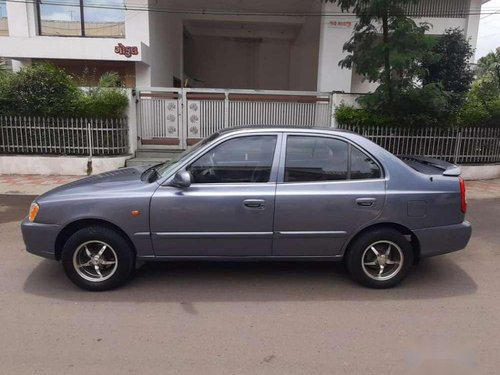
[[146, 157]]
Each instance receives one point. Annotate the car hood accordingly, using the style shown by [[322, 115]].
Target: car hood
[[125, 179]]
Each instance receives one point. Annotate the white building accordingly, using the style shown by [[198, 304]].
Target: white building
[[258, 44]]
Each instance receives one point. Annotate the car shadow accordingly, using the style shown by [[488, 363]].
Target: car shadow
[[190, 282]]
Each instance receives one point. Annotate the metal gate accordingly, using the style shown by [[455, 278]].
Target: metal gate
[[176, 118]]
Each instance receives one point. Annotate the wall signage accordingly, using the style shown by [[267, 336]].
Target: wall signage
[[127, 51], [340, 24]]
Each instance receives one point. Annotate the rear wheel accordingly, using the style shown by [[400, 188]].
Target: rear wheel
[[381, 258], [98, 258]]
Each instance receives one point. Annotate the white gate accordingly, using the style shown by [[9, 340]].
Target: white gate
[[176, 118]]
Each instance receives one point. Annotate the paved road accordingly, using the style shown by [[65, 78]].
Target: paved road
[[245, 318]]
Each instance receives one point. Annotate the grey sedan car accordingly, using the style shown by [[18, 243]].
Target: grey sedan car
[[274, 193]]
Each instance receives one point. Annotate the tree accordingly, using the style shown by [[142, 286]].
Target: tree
[[488, 67], [392, 59], [448, 65]]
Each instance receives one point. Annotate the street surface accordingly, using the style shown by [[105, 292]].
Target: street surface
[[253, 318]]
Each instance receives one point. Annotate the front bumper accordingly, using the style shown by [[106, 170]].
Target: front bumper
[[40, 239], [442, 240]]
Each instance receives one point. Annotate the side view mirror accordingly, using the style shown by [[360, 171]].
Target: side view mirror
[[182, 179]]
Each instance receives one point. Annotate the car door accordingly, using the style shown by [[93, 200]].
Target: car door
[[228, 209], [327, 189]]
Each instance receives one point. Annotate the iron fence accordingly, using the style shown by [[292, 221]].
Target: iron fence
[[63, 136], [456, 145]]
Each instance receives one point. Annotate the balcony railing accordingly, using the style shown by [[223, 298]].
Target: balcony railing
[[439, 8]]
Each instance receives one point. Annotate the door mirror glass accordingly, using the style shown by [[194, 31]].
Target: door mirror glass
[[182, 179]]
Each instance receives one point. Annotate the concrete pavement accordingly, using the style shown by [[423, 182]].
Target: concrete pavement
[[253, 318]]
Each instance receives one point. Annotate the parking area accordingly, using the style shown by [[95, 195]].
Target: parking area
[[253, 318]]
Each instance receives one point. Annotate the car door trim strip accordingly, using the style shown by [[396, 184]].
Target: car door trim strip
[[323, 233], [214, 234]]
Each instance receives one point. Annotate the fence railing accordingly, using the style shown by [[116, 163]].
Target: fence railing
[[456, 145], [63, 136], [176, 117]]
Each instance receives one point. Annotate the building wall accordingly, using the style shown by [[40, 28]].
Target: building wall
[[165, 48], [304, 54], [237, 63], [308, 62], [334, 32]]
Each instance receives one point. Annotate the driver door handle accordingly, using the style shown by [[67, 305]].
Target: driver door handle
[[366, 202], [258, 204]]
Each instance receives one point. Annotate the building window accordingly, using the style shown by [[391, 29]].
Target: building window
[[92, 18], [4, 25]]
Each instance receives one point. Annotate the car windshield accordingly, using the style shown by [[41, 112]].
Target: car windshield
[[167, 167]]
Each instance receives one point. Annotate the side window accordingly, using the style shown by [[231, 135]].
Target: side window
[[244, 159], [362, 166], [310, 158]]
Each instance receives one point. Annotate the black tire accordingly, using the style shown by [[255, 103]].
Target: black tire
[[87, 241], [360, 257]]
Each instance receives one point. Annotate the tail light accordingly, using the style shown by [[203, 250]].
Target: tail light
[[463, 199]]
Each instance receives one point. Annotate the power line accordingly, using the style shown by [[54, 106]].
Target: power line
[[491, 14], [147, 8]]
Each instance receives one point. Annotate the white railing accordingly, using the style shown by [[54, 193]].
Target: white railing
[[179, 117], [63, 136], [457, 145], [439, 8]]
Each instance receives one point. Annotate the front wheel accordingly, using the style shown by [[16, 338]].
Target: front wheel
[[98, 258], [380, 258]]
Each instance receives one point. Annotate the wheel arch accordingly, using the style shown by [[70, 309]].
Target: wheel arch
[[76, 225], [405, 231]]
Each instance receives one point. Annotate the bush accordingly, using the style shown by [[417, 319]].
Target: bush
[[104, 102], [47, 91], [349, 116], [6, 92], [482, 105], [414, 107], [44, 90]]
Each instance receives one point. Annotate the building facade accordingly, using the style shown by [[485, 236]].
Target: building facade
[[260, 44]]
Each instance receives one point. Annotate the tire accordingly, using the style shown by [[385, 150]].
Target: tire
[[98, 258], [388, 268]]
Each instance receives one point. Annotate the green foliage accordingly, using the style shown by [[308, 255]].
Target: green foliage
[[104, 102], [386, 45], [448, 65], [488, 67], [348, 115], [6, 91], [110, 79], [44, 90], [423, 80], [47, 91], [482, 104], [414, 106]]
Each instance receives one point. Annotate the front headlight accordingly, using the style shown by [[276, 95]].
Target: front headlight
[[33, 211]]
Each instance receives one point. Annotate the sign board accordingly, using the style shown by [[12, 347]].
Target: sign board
[[340, 24], [127, 51]]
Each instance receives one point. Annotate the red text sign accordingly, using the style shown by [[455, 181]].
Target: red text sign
[[127, 51]]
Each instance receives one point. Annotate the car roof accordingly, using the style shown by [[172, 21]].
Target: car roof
[[283, 128]]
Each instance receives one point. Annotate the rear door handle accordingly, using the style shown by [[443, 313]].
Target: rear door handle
[[255, 203], [366, 202]]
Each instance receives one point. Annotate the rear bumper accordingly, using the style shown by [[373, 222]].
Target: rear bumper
[[442, 240], [40, 239]]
